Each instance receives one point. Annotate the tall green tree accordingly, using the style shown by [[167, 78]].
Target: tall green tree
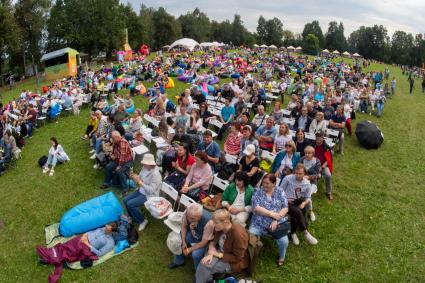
[[270, 31], [222, 31], [370, 42], [239, 32], [288, 38], [147, 28], [31, 16], [166, 28], [133, 24], [401, 47], [195, 25], [89, 26], [311, 44], [261, 30], [274, 28], [10, 35], [335, 38], [315, 29], [418, 51]]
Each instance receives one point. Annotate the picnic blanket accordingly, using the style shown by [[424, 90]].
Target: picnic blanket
[[53, 237]]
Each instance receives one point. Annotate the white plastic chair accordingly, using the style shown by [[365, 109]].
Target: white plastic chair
[[231, 158], [265, 154], [219, 183], [185, 201], [170, 191]]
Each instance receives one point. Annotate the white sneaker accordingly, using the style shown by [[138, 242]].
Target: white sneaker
[[142, 225], [93, 157], [92, 151], [45, 170], [51, 172], [312, 216], [310, 239], [295, 239], [96, 166]]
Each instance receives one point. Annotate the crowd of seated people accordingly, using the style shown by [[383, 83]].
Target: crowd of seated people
[[297, 142]]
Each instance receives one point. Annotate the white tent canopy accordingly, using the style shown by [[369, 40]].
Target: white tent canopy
[[325, 51], [356, 55], [206, 44], [290, 47], [336, 52], [263, 46], [272, 46], [299, 48], [187, 43], [256, 45], [346, 53]]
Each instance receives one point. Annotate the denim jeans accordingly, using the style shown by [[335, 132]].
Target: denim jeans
[[197, 255], [132, 203], [379, 107], [97, 143], [363, 105], [282, 243], [109, 172], [53, 160], [30, 128]]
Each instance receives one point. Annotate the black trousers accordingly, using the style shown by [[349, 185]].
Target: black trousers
[[298, 218]]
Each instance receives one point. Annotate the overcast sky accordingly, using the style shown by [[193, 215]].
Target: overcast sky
[[407, 15]]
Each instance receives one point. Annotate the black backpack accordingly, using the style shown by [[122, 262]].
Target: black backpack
[[132, 235], [42, 161]]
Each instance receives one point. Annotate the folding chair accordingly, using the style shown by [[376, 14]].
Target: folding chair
[[185, 201], [216, 123], [219, 183], [231, 158], [171, 192]]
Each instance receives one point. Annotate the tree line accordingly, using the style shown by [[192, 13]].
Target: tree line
[[29, 28]]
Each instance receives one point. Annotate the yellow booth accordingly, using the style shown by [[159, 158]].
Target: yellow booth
[[60, 63]]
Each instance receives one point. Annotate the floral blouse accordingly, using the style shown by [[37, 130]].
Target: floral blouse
[[275, 203]]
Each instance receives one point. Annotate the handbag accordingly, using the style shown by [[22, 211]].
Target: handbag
[[281, 230], [176, 180]]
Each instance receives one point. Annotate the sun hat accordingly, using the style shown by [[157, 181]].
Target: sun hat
[[249, 150], [174, 243], [174, 221], [148, 159]]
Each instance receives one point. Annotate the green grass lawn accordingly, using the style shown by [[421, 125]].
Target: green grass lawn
[[365, 234]]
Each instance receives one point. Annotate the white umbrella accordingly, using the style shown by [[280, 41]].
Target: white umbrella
[[255, 45], [325, 51], [264, 46], [290, 47], [336, 52], [356, 55], [272, 46], [346, 53]]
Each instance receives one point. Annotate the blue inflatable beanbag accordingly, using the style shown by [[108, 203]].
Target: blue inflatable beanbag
[[91, 214]]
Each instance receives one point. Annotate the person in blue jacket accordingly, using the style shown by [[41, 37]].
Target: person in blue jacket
[[286, 160]]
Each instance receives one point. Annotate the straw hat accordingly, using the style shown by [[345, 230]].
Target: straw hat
[[174, 243], [174, 221], [148, 159]]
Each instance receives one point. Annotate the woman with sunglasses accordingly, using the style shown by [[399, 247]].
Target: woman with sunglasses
[[286, 160]]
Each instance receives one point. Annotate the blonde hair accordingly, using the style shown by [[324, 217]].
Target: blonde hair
[[293, 146], [221, 215], [309, 148]]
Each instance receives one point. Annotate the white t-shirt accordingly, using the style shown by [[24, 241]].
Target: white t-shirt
[[280, 141]]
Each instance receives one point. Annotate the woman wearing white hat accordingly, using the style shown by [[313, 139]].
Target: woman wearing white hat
[[149, 183]]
